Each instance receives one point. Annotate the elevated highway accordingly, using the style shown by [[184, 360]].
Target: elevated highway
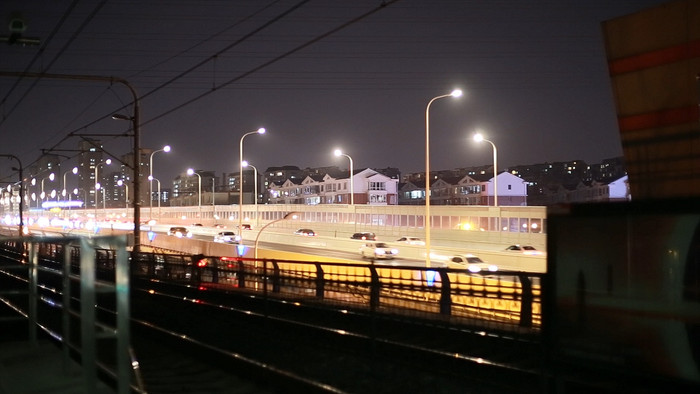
[[481, 230]]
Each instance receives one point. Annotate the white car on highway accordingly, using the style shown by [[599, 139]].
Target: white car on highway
[[411, 241], [525, 249], [378, 250], [471, 263], [227, 237]]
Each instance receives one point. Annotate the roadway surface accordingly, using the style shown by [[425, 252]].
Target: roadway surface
[[348, 249]]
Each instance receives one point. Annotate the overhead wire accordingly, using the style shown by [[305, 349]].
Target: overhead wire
[[89, 18], [125, 106], [273, 60], [244, 74], [41, 50]]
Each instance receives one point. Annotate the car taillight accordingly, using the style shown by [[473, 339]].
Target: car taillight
[[202, 263]]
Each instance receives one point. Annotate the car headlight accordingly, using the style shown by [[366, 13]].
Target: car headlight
[[379, 251]]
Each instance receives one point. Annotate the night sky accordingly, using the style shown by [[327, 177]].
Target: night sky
[[318, 75]]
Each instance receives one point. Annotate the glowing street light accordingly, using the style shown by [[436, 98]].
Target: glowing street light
[[339, 153], [51, 177], [427, 221], [165, 149], [97, 183], [151, 179], [126, 193], [240, 178], [255, 174], [191, 172], [478, 138], [75, 172]]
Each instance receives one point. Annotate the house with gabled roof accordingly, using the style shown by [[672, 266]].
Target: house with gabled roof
[[474, 189], [368, 187]]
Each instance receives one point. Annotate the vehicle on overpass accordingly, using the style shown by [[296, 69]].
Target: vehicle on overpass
[[378, 250], [411, 241], [365, 236], [180, 232], [227, 237], [471, 263], [524, 249]]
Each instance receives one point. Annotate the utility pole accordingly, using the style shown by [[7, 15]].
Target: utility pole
[[137, 137]]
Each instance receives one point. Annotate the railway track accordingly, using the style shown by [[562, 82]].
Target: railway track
[[335, 350], [188, 337]]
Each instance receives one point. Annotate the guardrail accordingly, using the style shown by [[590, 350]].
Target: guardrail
[[502, 300], [497, 300], [25, 275]]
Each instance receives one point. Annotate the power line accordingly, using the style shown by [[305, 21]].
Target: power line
[[34, 59]]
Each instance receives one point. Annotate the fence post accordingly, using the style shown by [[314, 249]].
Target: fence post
[[241, 274], [33, 290], [65, 318], [123, 289], [320, 281], [276, 284], [375, 288], [445, 297], [88, 351], [526, 301]]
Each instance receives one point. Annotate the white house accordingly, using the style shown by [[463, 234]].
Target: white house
[[368, 187], [512, 190]]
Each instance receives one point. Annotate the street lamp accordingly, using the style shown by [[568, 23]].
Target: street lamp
[[427, 221], [51, 177], [255, 174], [126, 193], [240, 178], [97, 184], [191, 172], [151, 179], [339, 153], [290, 215], [478, 138], [75, 172], [165, 149]]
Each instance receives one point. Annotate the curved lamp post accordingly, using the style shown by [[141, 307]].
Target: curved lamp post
[[151, 179], [97, 183], [240, 178], [165, 149], [51, 177], [290, 215], [478, 138], [75, 172], [427, 221], [255, 174], [126, 194], [339, 153], [191, 172]]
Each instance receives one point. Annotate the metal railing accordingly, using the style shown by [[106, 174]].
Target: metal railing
[[496, 300], [501, 300], [51, 294]]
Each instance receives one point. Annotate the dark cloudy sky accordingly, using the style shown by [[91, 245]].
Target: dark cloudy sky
[[533, 72]]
